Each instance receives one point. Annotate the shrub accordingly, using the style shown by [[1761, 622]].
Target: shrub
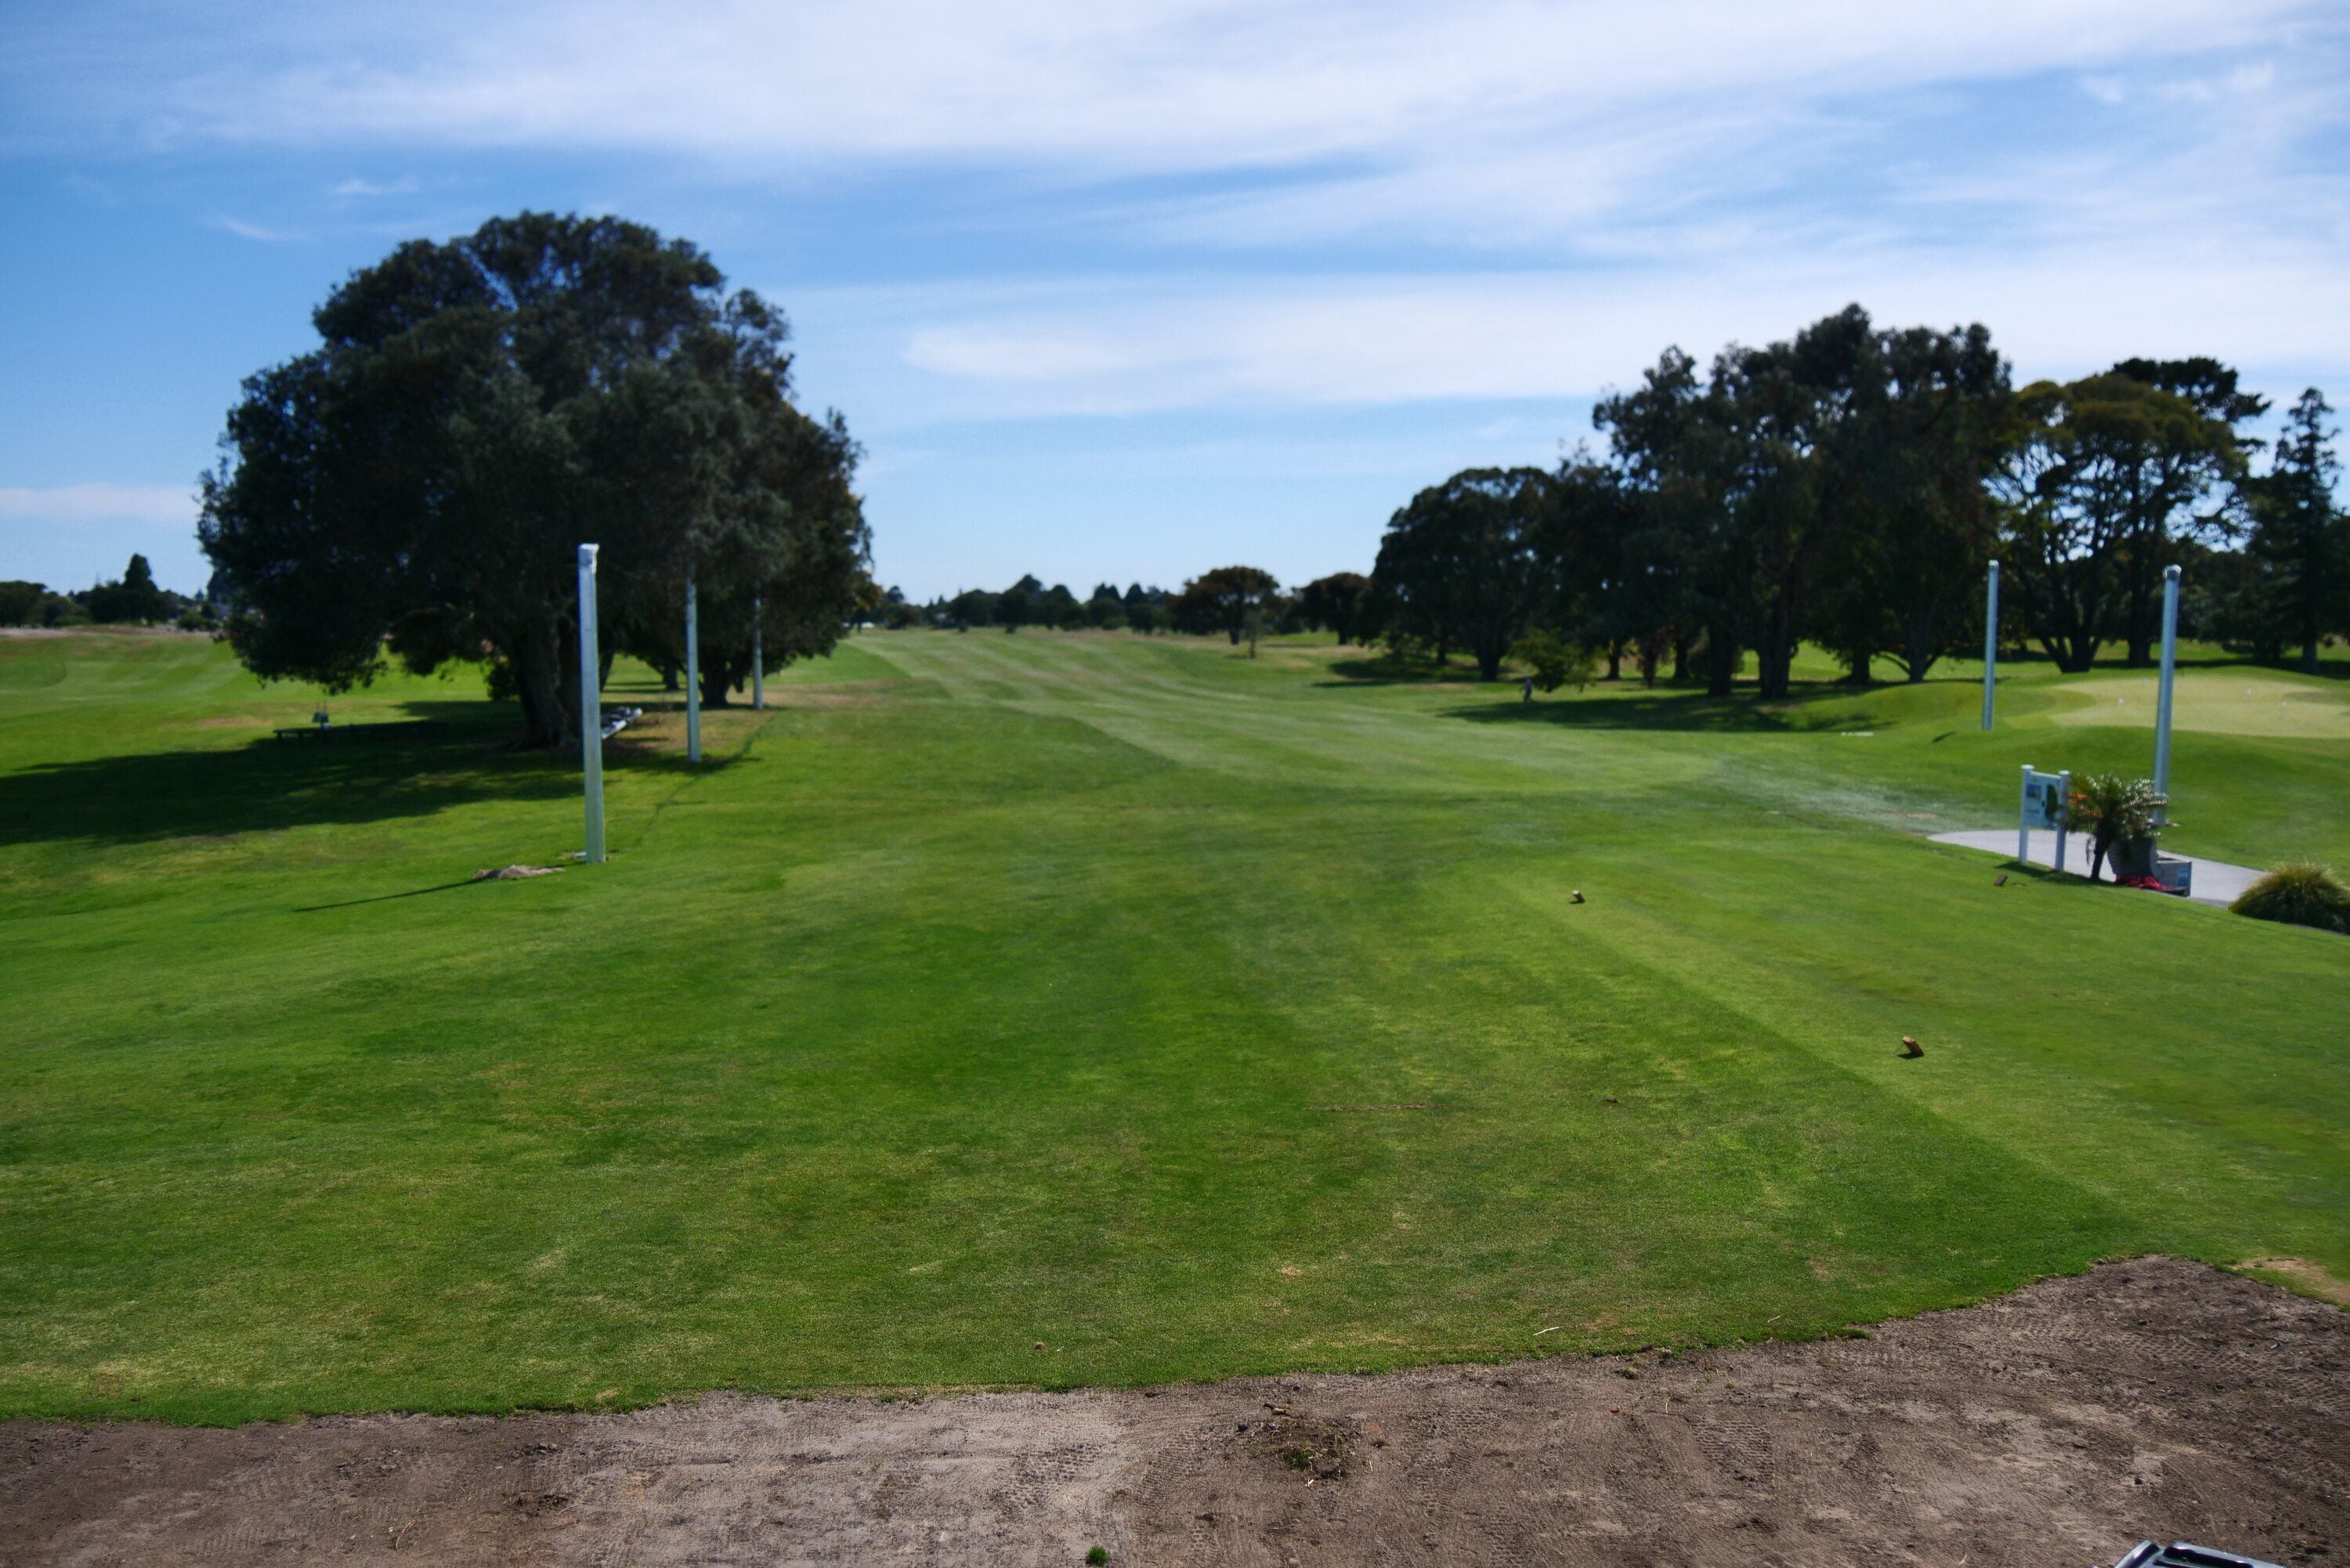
[[2298, 893], [1555, 662], [2112, 810]]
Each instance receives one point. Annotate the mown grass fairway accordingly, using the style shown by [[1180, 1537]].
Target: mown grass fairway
[[1188, 1014]]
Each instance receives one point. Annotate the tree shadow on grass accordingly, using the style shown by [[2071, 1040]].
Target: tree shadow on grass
[[448, 753], [623, 753], [1389, 670], [390, 897], [466, 754], [1673, 710]]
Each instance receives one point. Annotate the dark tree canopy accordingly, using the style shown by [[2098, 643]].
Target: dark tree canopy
[[475, 410], [1676, 459], [132, 598], [1828, 487], [1225, 600], [1459, 564], [2104, 479], [1848, 486], [2299, 552], [2180, 483], [1336, 602], [1612, 575], [1913, 525]]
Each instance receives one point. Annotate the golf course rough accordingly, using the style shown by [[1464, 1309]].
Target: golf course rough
[[1184, 1014]]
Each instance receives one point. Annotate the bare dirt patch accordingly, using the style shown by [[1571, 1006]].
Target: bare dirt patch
[[2152, 1398]]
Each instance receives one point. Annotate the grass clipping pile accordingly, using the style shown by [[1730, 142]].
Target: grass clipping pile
[[2148, 1399]]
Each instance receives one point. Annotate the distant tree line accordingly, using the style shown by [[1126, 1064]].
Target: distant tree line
[[131, 599], [1844, 488], [1241, 603], [1848, 486], [415, 485], [1029, 603]]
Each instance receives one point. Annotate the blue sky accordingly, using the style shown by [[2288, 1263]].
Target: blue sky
[[1120, 292]]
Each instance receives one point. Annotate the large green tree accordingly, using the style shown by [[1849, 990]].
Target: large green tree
[[2182, 484], [1226, 599], [1828, 486], [773, 530], [2104, 481], [1460, 564], [1907, 464], [1789, 410], [476, 407], [1609, 575], [133, 597], [1678, 459], [2300, 544], [1336, 602]]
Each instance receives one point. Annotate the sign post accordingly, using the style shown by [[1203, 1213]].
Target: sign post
[[1991, 641], [758, 663], [591, 708], [2043, 803], [2063, 809], [2162, 702], [692, 673]]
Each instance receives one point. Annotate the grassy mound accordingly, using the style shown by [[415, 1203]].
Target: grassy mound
[[2298, 893]]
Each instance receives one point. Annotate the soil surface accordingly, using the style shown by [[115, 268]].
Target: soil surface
[[2059, 1425]]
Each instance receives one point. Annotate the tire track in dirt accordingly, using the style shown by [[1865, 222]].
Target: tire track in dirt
[[2150, 1398]]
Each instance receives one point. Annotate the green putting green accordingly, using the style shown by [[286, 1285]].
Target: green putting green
[[1187, 1014]]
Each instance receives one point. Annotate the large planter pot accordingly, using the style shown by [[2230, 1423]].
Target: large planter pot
[[2133, 858]]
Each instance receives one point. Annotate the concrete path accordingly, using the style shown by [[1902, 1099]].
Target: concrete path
[[2216, 881]]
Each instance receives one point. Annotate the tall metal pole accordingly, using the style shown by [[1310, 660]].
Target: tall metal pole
[[591, 707], [692, 673], [2162, 700], [1991, 641], [758, 661]]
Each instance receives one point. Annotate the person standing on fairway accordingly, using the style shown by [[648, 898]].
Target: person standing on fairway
[[1525, 688]]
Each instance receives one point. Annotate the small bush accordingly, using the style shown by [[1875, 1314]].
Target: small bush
[[1554, 661], [2299, 893]]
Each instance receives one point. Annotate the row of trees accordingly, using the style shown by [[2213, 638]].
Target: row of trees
[[417, 483], [133, 598], [1240, 602], [1847, 487], [1029, 602]]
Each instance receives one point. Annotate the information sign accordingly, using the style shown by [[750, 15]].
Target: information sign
[[2044, 798]]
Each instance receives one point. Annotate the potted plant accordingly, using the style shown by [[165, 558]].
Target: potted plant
[[2122, 819]]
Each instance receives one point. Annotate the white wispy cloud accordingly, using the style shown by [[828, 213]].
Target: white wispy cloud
[[1328, 202], [257, 232], [99, 502], [1149, 84], [1100, 346], [357, 188]]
